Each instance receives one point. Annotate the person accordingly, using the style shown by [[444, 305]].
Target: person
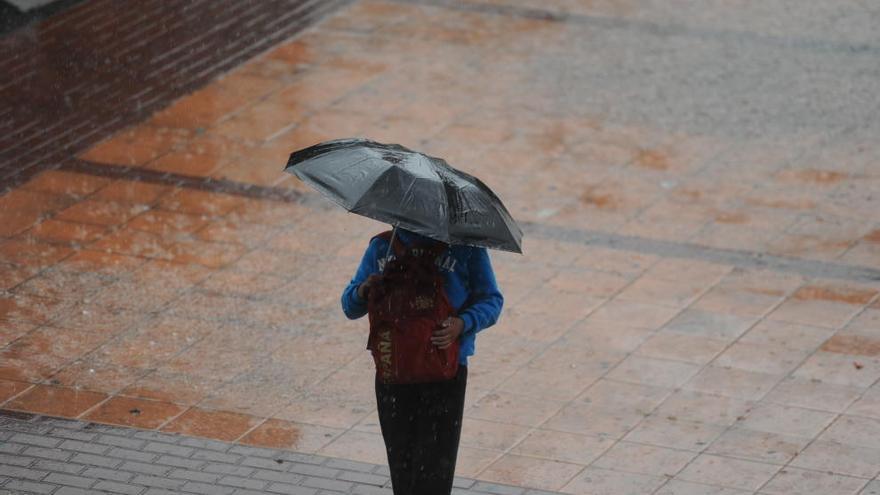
[[421, 423]]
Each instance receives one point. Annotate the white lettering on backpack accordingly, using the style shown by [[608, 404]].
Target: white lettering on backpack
[[445, 262], [385, 352], [421, 303], [381, 262]]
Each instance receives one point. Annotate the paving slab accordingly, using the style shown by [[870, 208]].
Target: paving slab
[[282, 472], [696, 310]]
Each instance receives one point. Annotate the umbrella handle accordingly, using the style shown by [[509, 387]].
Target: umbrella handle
[[390, 244]]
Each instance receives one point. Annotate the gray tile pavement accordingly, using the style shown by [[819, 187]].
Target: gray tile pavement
[[40, 455]]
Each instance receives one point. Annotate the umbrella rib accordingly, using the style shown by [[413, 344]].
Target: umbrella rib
[[356, 163], [408, 189], [326, 188]]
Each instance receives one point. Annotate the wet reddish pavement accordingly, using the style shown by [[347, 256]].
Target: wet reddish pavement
[[696, 311]]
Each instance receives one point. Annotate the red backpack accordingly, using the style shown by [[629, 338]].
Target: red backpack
[[405, 308]]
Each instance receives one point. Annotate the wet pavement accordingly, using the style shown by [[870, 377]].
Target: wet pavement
[[68, 457], [697, 310], [99, 66]]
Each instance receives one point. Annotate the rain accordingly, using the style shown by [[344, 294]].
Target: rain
[[635, 246]]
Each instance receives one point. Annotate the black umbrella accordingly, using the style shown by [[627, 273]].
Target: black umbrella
[[404, 188]]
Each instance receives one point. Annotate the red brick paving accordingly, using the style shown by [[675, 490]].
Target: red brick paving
[[170, 277], [103, 64]]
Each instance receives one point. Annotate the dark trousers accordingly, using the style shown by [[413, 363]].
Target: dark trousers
[[421, 426]]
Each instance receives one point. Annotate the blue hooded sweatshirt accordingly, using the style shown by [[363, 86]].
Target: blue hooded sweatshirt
[[470, 286]]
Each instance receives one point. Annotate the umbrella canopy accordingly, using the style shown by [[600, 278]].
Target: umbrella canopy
[[404, 188]]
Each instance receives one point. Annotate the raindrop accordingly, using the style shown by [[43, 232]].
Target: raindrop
[[546, 213]]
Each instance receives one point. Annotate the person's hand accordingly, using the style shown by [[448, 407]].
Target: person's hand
[[449, 330], [363, 290]]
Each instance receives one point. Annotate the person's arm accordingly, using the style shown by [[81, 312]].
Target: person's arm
[[354, 302], [485, 301]]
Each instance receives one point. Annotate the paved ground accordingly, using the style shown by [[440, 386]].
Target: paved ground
[[697, 311], [66, 457]]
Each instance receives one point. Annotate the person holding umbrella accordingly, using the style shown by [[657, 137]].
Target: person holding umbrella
[[428, 287], [421, 422]]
